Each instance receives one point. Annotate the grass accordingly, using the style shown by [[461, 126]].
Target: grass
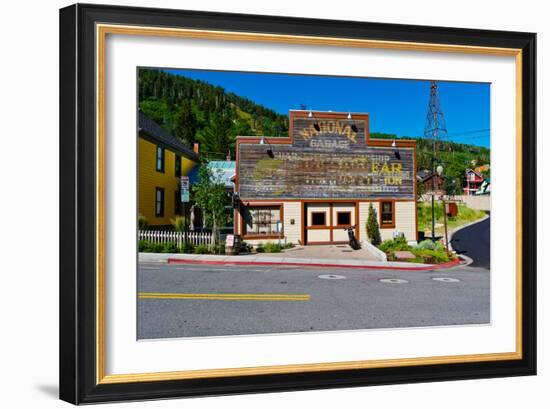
[[465, 215]]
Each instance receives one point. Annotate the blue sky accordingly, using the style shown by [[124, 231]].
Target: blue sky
[[395, 106]]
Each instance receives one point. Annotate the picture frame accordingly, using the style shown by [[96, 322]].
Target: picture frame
[[83, 30]]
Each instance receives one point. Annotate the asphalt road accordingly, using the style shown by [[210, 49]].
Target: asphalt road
[[207, 300], [475, 242]]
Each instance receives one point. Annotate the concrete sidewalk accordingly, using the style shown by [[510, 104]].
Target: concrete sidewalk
[[282, 259]]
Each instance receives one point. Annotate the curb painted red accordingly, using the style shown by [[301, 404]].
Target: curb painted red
[[272, 263]]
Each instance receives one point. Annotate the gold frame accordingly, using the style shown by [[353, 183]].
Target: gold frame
[[102, 30]]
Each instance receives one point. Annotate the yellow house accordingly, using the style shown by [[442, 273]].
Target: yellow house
[[162, 159]]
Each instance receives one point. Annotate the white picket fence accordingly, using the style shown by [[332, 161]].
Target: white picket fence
[[162, 237]]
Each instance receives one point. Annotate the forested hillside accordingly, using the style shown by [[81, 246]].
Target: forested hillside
[[196, 111]]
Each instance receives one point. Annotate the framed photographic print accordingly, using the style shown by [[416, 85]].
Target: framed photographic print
[[257, 203]]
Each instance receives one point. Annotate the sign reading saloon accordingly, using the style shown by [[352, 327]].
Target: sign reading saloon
[[328, 159]]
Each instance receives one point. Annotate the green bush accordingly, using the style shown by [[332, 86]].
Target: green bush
[[202, 249], [179, 223], [169, 248], [155, 248], [272, 247], [144, 246], [429, 245], [142, 222], [432, 256], [187, 248], [245, 247], [260, 248], [397, 244]]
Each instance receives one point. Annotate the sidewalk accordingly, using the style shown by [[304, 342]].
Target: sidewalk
[[284, 259]]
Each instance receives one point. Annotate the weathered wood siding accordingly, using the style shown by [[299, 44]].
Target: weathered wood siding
[[294, 172]]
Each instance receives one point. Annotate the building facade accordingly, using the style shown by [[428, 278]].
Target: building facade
[[473, 182], [162, 160], [308, 187]]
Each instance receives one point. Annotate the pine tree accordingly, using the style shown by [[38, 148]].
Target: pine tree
[[186, 123], [373, 231]]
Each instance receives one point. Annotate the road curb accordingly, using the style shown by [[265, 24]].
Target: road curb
[[449, 264]]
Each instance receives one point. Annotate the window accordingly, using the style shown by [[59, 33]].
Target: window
[[178, 166], [261, 220], [343, 218], [387, 213], [160, 159], [318, 218], [159, 202]]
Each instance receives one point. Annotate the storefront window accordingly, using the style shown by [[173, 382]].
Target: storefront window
[[343, 218], [261, 220], [318, 219], [387, 214]]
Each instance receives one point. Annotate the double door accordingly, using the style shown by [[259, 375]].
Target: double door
[[325, 223]]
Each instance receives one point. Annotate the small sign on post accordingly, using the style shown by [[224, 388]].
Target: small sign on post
[[184, 188]]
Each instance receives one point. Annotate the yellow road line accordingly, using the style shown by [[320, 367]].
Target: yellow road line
[[235, 297]]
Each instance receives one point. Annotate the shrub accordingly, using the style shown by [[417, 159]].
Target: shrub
[[429, 245], [179, 223], [187, 248], [144, 246], [169, 248], [202, 249], [245, 247], [432, 256], [397, 244], [272, 247], [260, 248], [155, 248], [373, 231], [142, 222]]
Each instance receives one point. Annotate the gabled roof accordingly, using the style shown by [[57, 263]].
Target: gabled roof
[[473, 171], [150, 130]]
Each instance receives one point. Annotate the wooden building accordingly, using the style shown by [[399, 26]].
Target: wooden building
[[308, 187], [162, 159], [473, 182]]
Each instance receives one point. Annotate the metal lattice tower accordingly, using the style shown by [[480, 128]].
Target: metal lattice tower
[[435, 129]]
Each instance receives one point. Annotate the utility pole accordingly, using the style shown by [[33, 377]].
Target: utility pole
[[435, 130]]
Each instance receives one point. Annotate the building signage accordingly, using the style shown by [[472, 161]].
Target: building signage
[[184, 189], [328, 133], [310, 173], [328, 158]]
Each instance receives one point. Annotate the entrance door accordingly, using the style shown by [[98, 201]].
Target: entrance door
[[325, 222]]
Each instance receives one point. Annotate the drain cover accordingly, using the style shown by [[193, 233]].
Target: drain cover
[[446, 279], [332, 277], [393, 281]]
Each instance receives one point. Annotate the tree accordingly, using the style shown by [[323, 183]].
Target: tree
[[186, 123], [216, 138], [211, 196], [373, 231]]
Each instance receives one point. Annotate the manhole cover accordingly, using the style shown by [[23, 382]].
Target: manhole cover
[[446, 279], [393, 281], [332, 277]]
